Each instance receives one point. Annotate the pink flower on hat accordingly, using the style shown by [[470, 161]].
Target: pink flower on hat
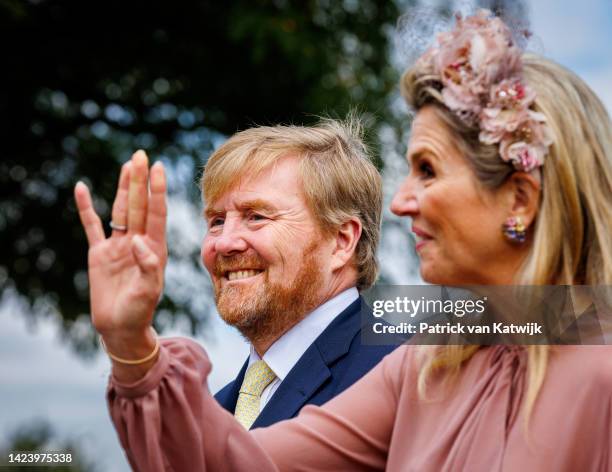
[[527, 146], [480, 70], [471, 58], [522, 155], [507, 109]]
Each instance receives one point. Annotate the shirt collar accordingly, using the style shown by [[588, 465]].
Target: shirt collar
[[289, 348]]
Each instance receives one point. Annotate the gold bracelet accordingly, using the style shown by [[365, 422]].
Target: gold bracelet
[[137, 361]]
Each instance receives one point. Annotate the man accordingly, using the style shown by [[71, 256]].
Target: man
[[293, 223], [293, 220]]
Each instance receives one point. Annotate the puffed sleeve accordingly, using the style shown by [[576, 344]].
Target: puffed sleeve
[[169, 421]]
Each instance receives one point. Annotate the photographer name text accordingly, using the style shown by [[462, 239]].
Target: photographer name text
[[528, 329]]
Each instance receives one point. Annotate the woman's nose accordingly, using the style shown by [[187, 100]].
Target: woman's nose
[[404, 201]]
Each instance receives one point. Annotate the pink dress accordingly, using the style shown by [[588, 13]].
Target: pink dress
[[169, 421]]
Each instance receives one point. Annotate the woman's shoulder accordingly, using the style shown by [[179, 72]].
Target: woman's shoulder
[[583, 365], [403, 358], [399, 366]]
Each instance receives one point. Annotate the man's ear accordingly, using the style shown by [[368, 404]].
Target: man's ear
[[525, 191], [346, 238]]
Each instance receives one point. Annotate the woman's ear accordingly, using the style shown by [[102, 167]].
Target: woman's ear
[[525, 190], [346, 238]]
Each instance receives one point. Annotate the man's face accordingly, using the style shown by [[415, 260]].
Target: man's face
[[265, 252]]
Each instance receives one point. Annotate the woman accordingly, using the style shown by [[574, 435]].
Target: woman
[[510, 182]]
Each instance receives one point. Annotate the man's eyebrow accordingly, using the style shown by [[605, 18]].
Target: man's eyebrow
[[210, 212], [258, 204]]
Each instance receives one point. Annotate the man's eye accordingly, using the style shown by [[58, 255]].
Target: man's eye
[[256, 217], [216, 222]]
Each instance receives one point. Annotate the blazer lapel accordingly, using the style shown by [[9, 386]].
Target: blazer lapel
[[313, 368], [294, 391]]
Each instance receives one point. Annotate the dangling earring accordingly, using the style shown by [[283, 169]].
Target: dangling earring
[[514, 229]]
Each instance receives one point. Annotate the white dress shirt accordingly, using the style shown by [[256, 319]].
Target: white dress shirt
[[289, 348]]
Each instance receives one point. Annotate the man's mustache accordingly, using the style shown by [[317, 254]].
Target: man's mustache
[[224, 264]]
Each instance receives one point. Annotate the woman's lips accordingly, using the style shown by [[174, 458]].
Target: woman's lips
[[418, 246], [422, 238]]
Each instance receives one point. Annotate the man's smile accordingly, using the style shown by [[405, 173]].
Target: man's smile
[[241, 274]]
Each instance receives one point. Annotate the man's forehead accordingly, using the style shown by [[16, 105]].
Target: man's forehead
[[275, 187]]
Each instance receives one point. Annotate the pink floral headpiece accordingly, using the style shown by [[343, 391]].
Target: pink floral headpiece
[[480, 70]]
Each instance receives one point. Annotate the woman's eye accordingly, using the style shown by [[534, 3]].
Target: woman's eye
[[426, 170], [216, 222]]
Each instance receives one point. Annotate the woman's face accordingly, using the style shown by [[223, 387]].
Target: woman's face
[[456, 221]]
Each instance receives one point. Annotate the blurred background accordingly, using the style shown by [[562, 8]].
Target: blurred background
[[84, 84]]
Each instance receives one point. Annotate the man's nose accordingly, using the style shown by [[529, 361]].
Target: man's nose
[[230, 241], [404, 201]]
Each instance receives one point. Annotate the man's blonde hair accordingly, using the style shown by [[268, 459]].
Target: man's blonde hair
[[339, 180]]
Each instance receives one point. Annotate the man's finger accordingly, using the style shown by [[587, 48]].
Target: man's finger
[[138, 193], [89, 218], [157, 211], [120, 205]]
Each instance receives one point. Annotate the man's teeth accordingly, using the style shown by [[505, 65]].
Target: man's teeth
[[242, 274]]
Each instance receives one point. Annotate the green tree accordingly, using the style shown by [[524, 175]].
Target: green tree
[[84, 84]]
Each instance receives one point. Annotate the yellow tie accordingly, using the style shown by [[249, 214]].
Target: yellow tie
[[258, 376]]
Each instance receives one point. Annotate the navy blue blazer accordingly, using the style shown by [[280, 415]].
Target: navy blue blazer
[[332, 363]]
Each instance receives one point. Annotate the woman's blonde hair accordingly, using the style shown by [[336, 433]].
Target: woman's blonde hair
[[571, 234]]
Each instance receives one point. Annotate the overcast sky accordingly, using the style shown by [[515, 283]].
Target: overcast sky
[[578, 34]]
